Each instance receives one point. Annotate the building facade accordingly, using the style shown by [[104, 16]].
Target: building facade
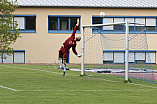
[[46, 24]]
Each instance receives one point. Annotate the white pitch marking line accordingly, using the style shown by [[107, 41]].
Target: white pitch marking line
[[103, 79], [31, 69], [109, 80], [18, 72], [10, 67], [68, 90], [142, 85], [24, 68], [128, 83], [8, 88], [64, 90], [80, 90]]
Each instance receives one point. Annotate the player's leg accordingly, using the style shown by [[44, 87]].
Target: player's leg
[[60, 63], [64, 61], [64, 66], [60, 58]]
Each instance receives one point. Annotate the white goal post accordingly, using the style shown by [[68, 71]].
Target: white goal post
[[126, 47]]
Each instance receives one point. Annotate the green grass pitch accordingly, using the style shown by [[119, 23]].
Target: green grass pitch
[[43, 84]]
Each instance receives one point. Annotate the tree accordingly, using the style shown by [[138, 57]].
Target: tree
[[8, 28]]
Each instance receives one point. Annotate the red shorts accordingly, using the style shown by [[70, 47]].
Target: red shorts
[[63, 53]]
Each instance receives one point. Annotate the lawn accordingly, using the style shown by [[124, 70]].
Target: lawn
[[43, 84]]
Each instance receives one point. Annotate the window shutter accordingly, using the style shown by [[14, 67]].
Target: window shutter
[[150, 22], [139, 56], [107, 21], [118, 20], [130, 20], [9, 58], [140, 21], [118, 57], [108, 56], [20, 22], [150, 57], [19, 57], [131, 57]]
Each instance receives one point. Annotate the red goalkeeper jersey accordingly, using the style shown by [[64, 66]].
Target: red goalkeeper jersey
[[71, 42]]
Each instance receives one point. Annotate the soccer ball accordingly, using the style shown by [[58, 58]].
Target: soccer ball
[[102, 14]]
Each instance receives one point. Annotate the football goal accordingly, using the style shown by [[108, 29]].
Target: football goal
[[118, 55]]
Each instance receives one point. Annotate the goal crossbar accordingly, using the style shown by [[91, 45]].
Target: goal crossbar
[[109, 24]]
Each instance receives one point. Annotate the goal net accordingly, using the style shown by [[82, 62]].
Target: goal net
[[122, 55]]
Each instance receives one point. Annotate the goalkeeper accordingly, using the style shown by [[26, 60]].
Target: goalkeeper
[[64, 50]]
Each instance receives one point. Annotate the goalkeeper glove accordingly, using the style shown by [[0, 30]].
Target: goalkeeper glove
[[79, 55], [78, 22]]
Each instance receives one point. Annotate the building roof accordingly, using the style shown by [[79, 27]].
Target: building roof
[[89, 3]]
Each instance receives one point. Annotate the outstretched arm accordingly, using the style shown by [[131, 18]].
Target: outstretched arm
[[77, 24], [78, 21]]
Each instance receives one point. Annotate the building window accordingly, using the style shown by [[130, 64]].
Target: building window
[[30, 23], [62, 24], [107, 21], [149, 22], [97, 20], [135, 56], [53, 23], [27, 24], [72, 22], [139, 21], [131, 26], [118, 27], [18, 56]]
